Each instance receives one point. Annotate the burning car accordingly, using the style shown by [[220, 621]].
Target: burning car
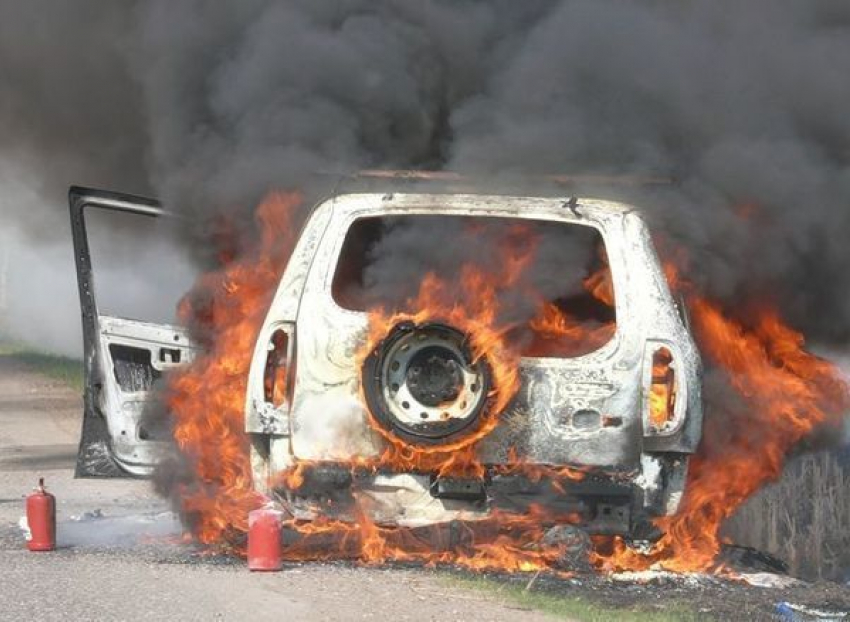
[[436, 357]]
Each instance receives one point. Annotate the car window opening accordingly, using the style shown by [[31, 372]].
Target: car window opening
[[555, 288]]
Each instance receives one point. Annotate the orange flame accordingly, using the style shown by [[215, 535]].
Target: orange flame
[[502, 541], [470, 305], [207, 397], [559, 334], [784, 391]]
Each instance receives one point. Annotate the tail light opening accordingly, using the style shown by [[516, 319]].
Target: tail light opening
[[276, 375], [662, 408]]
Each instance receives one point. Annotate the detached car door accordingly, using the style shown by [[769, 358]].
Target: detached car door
[[123, 360]]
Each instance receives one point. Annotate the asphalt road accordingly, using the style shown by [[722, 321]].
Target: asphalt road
[[120, 555]]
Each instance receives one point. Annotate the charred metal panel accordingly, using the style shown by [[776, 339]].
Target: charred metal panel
[[260, 417], [134, 356], [542, 425]]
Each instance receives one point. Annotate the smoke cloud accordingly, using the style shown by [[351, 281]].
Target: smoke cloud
[[209, 107]]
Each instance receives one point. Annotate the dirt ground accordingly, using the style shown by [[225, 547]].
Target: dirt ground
[[120, 556]]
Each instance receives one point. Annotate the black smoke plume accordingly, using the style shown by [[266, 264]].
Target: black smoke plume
[[208, 107]]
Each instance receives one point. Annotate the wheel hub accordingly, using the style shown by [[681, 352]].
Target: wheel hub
[[434, 376]]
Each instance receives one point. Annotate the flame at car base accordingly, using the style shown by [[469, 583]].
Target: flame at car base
[[785, 393]]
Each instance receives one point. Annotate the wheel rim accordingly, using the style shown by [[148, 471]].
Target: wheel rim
[[423, 384]]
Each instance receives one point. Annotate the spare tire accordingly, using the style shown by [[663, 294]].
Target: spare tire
[[422, 384]]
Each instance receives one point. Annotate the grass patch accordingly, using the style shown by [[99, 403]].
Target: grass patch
[[65, 369], [574, 607]]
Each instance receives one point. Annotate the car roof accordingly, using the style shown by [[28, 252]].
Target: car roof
[[475, 204]]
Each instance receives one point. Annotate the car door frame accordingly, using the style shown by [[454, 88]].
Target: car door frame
[[96, 455]]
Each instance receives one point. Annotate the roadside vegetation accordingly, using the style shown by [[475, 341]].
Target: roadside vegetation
[[568, 607], [64, 369], [803, 518]]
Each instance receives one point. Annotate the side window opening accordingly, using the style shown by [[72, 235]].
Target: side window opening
[[559, 303], [140, 270]]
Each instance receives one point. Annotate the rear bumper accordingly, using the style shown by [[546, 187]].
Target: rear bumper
[[612, 503]]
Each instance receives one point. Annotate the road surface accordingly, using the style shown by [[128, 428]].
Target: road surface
[[120, 556]]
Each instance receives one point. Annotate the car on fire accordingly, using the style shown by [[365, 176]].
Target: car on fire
[[620, 414]]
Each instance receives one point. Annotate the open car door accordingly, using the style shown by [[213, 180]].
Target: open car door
[[123, 359]]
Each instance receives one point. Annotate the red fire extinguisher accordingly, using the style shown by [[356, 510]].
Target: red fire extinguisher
[[264, 542], [41, 518]]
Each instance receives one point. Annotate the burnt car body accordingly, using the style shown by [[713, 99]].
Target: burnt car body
[[590, 412]]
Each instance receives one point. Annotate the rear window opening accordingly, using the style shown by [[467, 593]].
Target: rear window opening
[[558, 301]]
